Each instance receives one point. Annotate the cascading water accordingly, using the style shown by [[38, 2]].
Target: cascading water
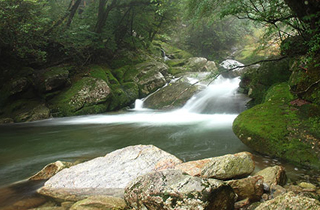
[[220, 97]]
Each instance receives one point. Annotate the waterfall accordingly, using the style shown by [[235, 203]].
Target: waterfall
[[138, 104], [220, 97]]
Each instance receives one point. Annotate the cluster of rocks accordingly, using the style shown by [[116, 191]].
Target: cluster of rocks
[[146, 177]]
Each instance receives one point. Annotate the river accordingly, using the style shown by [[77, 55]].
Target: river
[[200, 129]]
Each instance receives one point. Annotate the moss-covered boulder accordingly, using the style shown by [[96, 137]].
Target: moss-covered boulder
[[25, 110], [86, 96], [256, 81], [281, 128]]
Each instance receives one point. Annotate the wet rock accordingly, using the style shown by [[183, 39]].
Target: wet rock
[[19, 85], [307, 185], [107, 175], [193, 168], [6, 120], [242, 203], [290, 201], [251, 188], [28, 203], [211, 66], [275, 175], [224, 167], [150, 77], [172, 189], [49, 208], [196, 63], [32, 111], [49, 170], [176, 94], [276, 190], [52, 79], [99, 203]]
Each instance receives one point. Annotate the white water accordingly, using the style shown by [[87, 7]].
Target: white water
[[138, 104], [216, 106]]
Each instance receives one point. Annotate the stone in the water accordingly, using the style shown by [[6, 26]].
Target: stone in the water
[[224, 167], [99, 203], [275, 175], [175, 190], [250, 187], [290, 201], [49, 170], [107, 175]]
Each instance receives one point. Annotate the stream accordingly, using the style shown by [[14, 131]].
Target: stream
[[200, 129]]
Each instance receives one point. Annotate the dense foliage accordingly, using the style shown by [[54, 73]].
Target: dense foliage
[[40, 31], [284, 18]]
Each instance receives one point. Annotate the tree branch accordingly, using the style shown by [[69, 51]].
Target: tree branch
[[258, 62]]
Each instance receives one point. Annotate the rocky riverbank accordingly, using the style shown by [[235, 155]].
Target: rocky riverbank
[[69, 90], [146, 177]]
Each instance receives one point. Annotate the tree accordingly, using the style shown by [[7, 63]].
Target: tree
[[22, 26]]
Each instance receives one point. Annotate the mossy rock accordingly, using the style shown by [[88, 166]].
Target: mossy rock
[[172, 51], [25, 110], [176, 62], [103, 72], [82, 94], [52, 79], [132, 91], [127, 57], [259, 80], [277, 128]]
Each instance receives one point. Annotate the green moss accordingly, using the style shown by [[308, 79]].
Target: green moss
[[280, 92], [125, 58], [119, 99], [277, 129], [262, 78], [176, 62], [132, 91], [69, 103], [177, 70], [171, 50]]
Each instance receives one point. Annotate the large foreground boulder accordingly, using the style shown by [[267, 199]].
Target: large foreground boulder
[[107, 175], [172, 189], [223, 167]]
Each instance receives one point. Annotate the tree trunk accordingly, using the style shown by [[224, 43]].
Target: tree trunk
[[103, 14], [303, 9], [73, 11]]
